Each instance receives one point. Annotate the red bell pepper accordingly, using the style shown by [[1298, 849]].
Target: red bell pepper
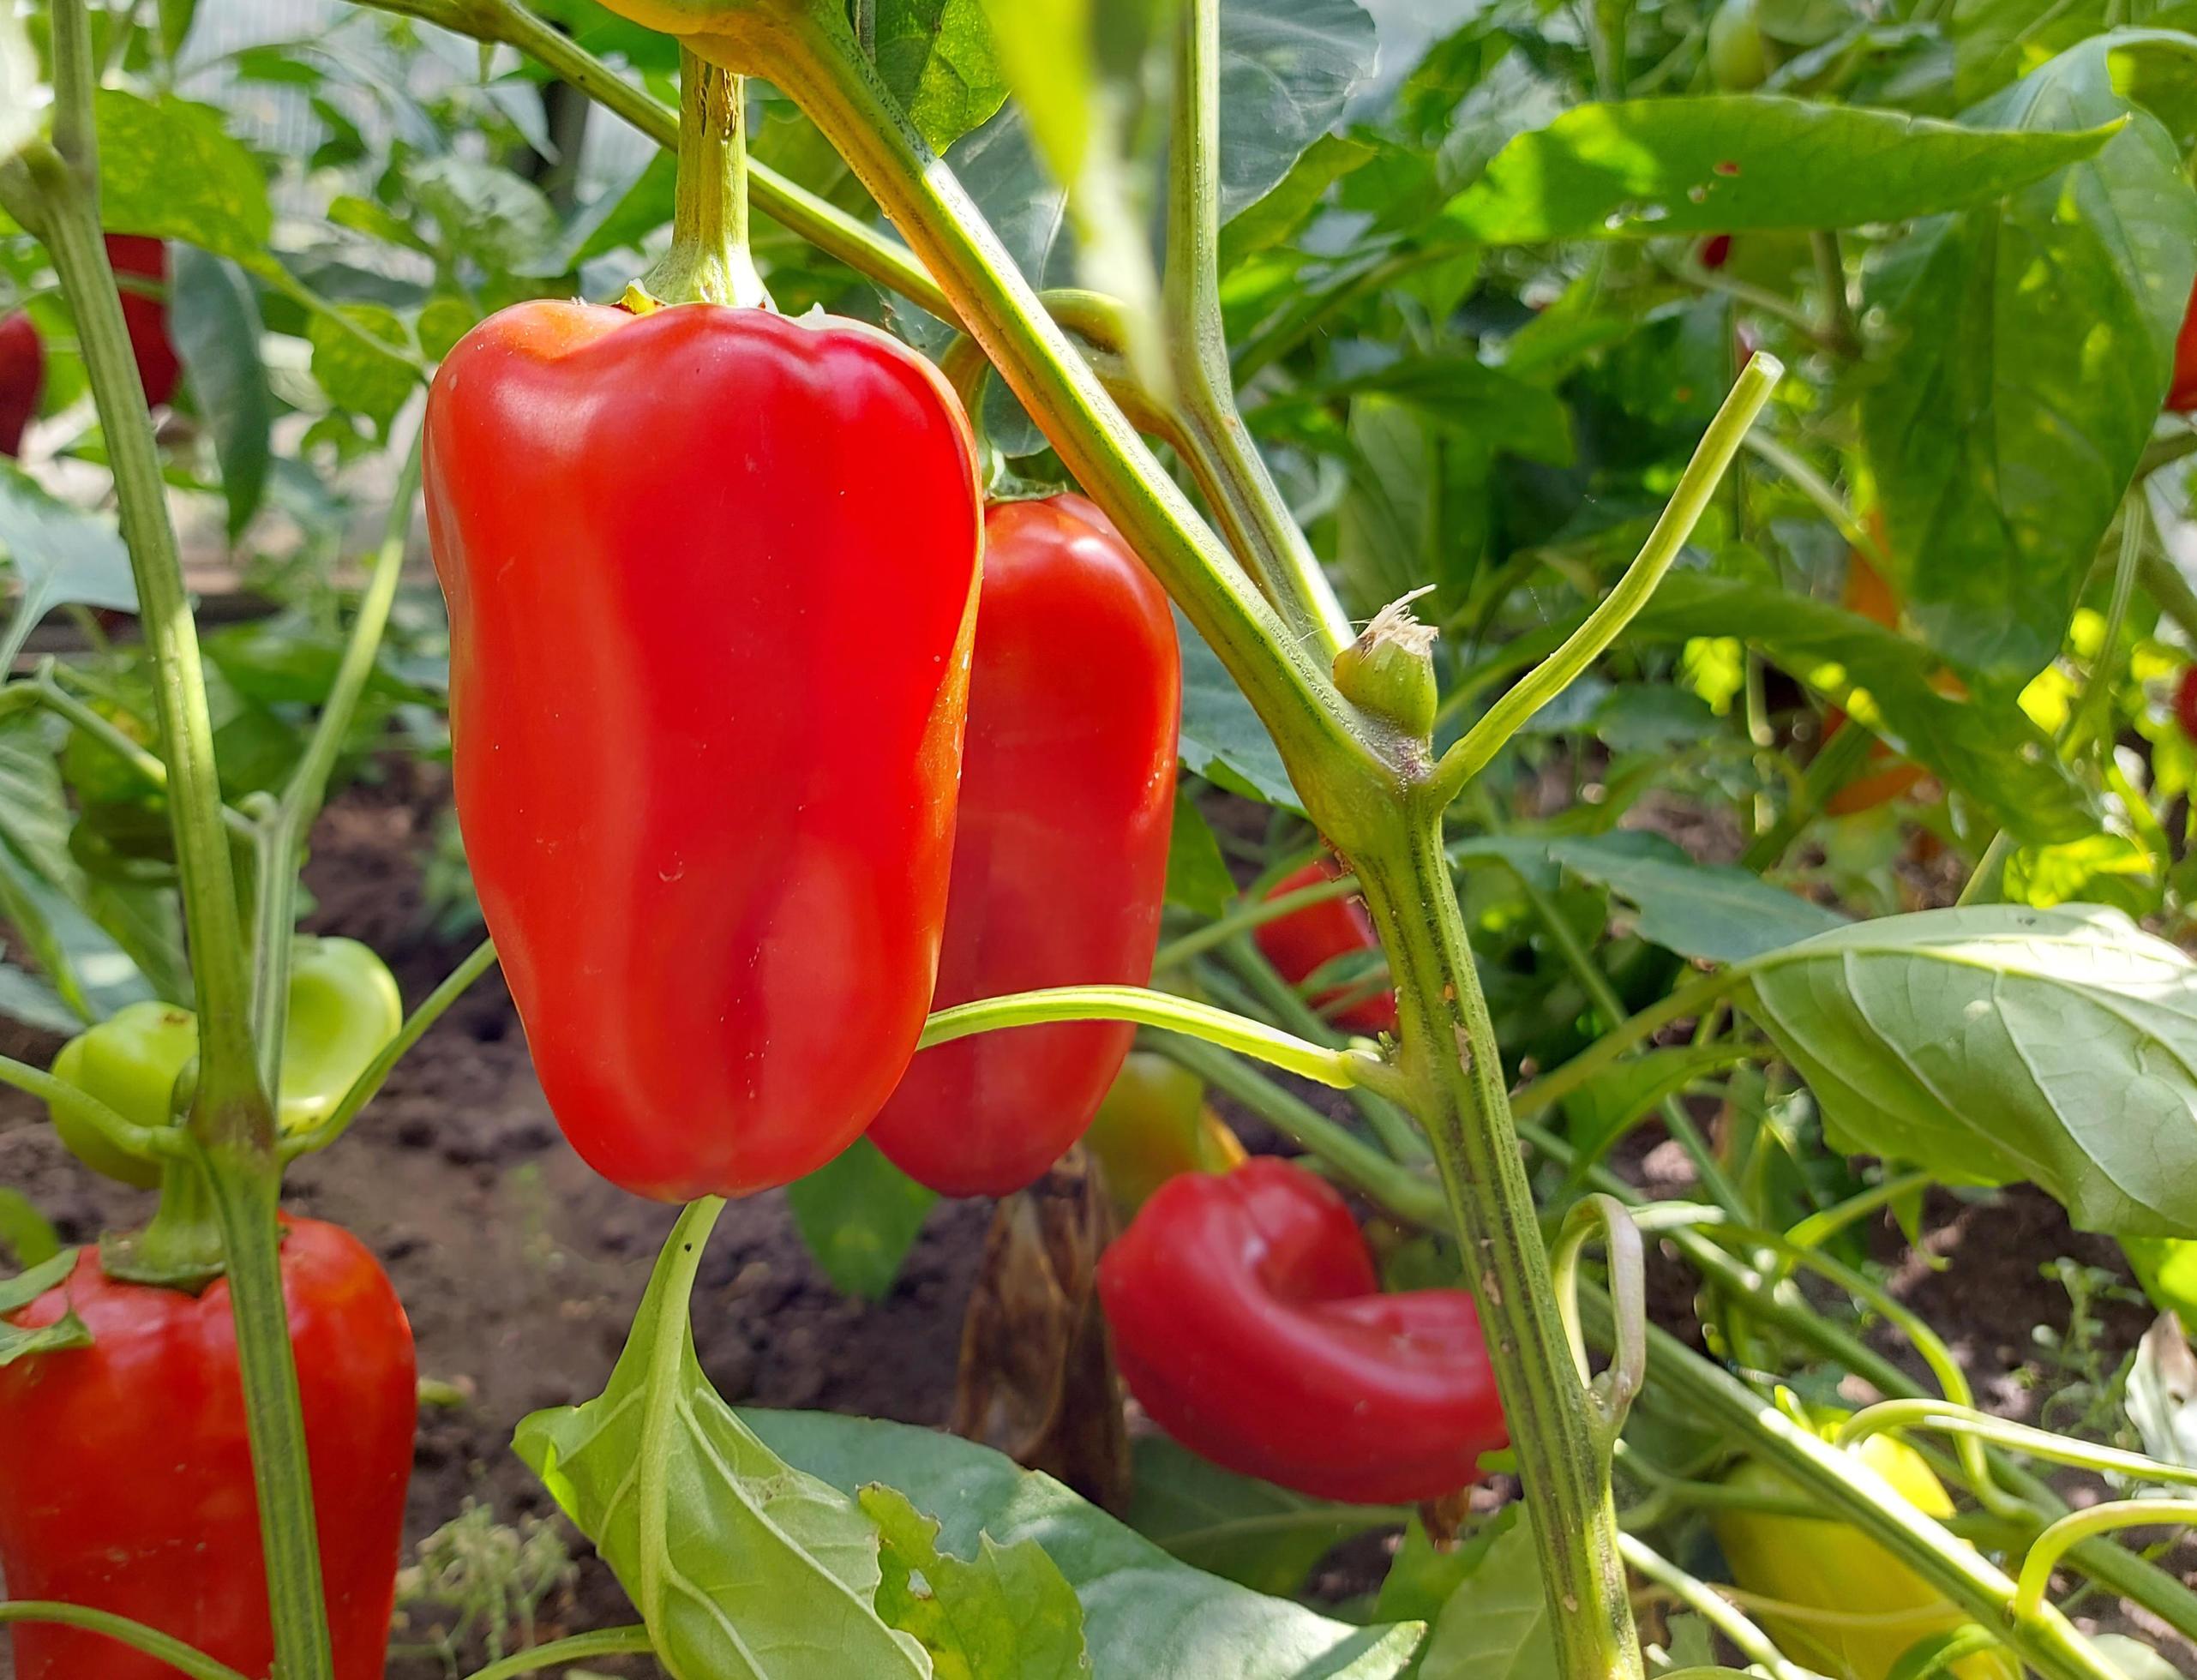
[[134, 255], [1060, 853], [126, 1473], [1247, 1320], [1301, 942], [2185, 701], [22, 377], [712, 578], [2182, 395]]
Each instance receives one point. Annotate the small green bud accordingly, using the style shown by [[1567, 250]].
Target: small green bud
[[1389, 671]]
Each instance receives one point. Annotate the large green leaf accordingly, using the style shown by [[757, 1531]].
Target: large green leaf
[[1984, 745], [1997, 1044], [2032, 343], [168, 168], [1146, 1617], [1222, 738], [1496, 1625], [936, 57], [742, 1567], [58, 554], [1715, 912], [214, 319], [1728, 163], [1249, 1532]]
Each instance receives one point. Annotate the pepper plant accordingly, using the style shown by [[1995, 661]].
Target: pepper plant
[[1951, 555]]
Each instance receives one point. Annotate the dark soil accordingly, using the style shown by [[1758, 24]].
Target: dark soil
[[520, 1268]]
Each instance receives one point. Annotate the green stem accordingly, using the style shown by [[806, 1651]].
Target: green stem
[[817, 220], [1965, 1423], [1713, 1608], [1692, 999], [709, 261], [1843, 1486], [1818, 1228], [244, 1187], [2163, 582], [2045, 1552], [1453, 1064], [1337, 1069], [124, 1135], [1213, 436], [1839, 332], [604, 1642], [1401, 1190], [1470, 756], [184, 1659], [54, 194], [1253, 913], [477, 963], [181, 1246], [282, 834]]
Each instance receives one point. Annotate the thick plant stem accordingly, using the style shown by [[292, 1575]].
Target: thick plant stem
[[1451, 1059], [244, 1189], [709, 261], [1230, 468]]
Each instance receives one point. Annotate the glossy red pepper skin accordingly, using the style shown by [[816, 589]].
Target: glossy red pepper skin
[[126, 1474], [711, 576], [1060, 851], [2185, 701], [1247, 1321], [145, 315], [2182, 395], [1301, 942], [22, 377]]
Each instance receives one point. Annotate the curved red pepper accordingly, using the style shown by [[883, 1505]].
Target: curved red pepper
[[2182, 395], [126, 1473], [711, 576], [1247, 1321], [146, 315], [1299, 944], [22, 377], [1060, 853]]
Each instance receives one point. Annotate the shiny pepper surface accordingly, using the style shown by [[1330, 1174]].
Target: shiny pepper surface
[[1817, 1564], [711, 576], [2182, 395], [22, 377], [1247, 1320], [126, 1473], [1060, 853], [135, 256], [1304, 941]]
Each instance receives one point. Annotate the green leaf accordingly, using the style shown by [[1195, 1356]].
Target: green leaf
[[19, 1291], [443, 321], [936, 57], [24, 1231], [170, 169], [2002, 440], [1713, 912], [488, 213], [742, 1567], [1288, 68], [1222, 738], [1289, 204], [176, 17], [1421, 1579], [860, 1214], [1198, 875], [1009, 1610], [1998, 41], [355, 375], [25, 998], [1608, 1106], [2102, 869], [1984, 745], [214, 318], [1495, 1624], [58, 554], [92, 973], [1997, 1044], [1454, 389], [1741, 163], [1252, 1532], [1145, 1614]]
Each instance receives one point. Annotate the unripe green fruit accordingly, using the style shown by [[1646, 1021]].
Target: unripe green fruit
[[1737, 61], [1389, 671]]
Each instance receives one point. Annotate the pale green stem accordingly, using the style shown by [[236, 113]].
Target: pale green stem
[[1713, 1608], [604, 1642], [2044, 1554], [1471, 754], [136, 1634]]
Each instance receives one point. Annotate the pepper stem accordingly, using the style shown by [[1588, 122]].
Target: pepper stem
[[709, 262], [181, 1248]]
